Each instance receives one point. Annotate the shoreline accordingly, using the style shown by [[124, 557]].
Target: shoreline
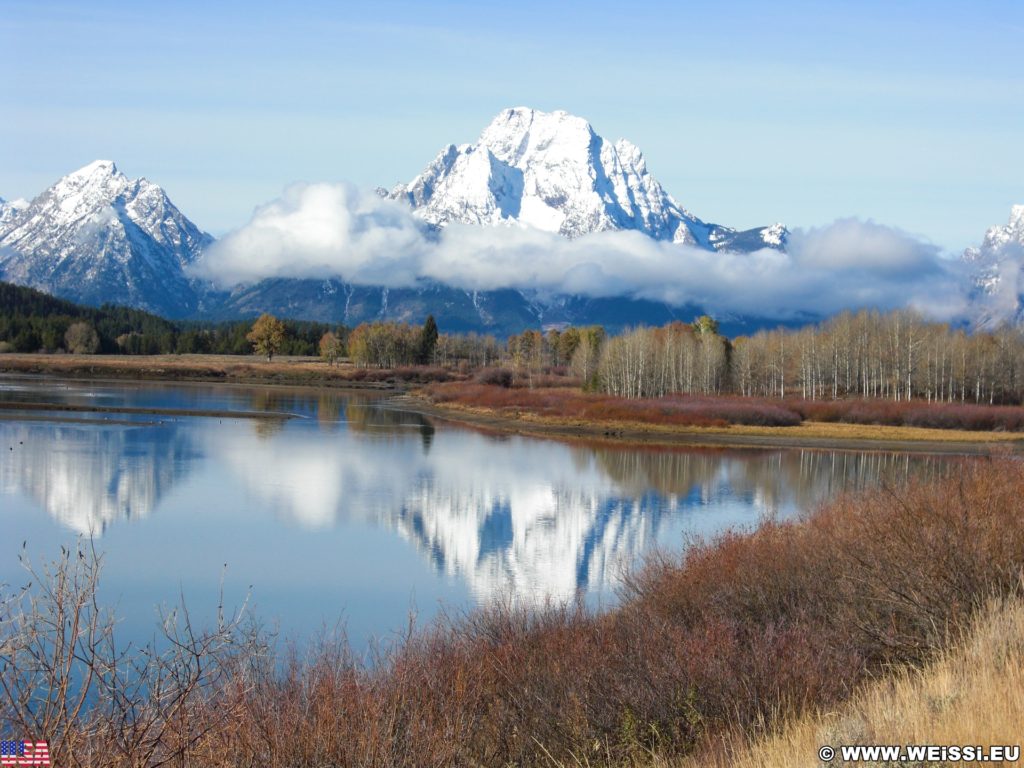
[[216, 413], [204, 369], [812, 435], [310, 373]]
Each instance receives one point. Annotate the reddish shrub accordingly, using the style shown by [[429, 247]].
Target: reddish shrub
[[570, 403], [496, 377], [914, 413]]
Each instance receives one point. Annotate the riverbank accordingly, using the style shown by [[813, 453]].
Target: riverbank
[[416, 388], [823, 435], [16, 409], [237, 369]]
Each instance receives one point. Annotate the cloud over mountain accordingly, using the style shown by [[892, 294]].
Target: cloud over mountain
[[337, 230]]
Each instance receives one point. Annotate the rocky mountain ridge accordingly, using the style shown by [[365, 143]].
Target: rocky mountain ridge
[[552, 171], [96, 236]]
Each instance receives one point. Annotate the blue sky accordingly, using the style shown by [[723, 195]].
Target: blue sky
[[911, 114]]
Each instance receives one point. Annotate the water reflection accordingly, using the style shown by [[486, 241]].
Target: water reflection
[[386, 423], [774, 481], [510, 517], [89, 476]]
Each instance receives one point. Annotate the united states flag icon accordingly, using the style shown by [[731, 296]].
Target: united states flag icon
[[24, 753]]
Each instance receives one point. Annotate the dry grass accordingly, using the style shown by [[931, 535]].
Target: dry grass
[[223, 368], [841, 431], [973, 693]]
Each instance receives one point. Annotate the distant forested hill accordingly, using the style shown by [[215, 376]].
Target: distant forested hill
[[32, 321]]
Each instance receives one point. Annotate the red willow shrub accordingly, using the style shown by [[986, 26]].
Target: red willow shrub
[[914, 413], [570, 403], [496, 377], [565, 400]]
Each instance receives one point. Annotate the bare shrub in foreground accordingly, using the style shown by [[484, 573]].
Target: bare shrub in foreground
[[65, 678], [739, 633]]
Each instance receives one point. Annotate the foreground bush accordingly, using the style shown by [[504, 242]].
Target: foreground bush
[[738, 633]]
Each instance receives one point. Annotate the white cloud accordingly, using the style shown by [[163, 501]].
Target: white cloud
[[336, 230], [321, 230], [851, 244]]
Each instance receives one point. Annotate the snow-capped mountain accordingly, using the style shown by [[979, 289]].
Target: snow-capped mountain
[[97, 236], [551, 171], [997, 267]]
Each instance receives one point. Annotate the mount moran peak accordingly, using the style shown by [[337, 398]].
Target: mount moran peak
[[551, 171]]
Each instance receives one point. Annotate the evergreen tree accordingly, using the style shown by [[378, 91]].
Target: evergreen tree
[[428, 341]]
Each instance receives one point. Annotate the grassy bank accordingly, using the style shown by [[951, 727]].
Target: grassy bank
[[972, 693], [242, 369], [557, 403], [742, 634]]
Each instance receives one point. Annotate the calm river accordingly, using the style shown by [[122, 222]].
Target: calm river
[[359, 511]]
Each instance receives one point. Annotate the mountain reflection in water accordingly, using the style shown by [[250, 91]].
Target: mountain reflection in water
[[514, 518]]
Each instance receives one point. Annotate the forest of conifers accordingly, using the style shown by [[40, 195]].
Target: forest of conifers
[[896, 355], [32, 321]]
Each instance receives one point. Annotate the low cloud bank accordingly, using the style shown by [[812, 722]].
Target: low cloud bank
[[338, 230]]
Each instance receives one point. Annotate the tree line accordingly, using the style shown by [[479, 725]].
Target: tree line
[[894, 355], [32, 321]]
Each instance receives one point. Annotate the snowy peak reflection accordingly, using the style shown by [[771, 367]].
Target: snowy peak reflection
[[521, 518], [89, 476], [549, 542]]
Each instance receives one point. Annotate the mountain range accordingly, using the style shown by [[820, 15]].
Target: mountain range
[[97, 236]]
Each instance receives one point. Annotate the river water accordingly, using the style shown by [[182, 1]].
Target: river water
[[359, 511]]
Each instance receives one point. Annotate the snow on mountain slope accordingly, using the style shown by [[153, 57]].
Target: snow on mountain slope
[[997, 268], [98, 236], [8, 210], [550, 170]]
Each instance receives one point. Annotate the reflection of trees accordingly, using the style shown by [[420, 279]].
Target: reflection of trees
[[799, 478], [282, 401], [381, 422], [805, 478], [328, 411], [668, 472], [268, 427]]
